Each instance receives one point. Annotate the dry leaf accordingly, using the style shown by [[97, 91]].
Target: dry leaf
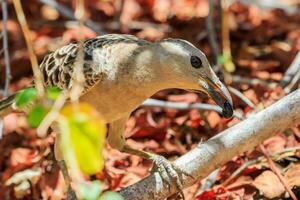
[[292, 175], [269, 184]]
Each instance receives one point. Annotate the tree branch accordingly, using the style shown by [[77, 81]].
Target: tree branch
[[186, 106], [5, 48], [220, 149]]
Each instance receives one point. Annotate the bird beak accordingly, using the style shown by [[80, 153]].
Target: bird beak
[[220, 94]]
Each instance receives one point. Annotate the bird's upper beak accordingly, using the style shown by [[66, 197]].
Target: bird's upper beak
[[220, 94]]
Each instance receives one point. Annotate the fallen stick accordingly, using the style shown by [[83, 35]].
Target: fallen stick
[[185, 106], [220, 149]]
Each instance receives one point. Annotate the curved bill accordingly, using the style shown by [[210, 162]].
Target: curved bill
[[220, 94]]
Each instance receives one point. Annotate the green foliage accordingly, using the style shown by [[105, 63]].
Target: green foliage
[[226, 61], [90, 191], [111, 196], [26, 96], [223, 58], [36, 115], [82, 136], [52, 93], [85, 137]]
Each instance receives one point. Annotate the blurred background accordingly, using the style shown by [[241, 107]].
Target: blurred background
[[252, 45]]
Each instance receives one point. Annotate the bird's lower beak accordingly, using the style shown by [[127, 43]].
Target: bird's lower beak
[[220, 94]]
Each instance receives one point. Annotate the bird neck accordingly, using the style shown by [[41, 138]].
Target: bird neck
[[146, 70]]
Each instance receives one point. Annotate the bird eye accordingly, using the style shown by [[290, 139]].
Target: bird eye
[[196, 62]]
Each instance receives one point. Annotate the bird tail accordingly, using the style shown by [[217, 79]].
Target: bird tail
[[6, 105]]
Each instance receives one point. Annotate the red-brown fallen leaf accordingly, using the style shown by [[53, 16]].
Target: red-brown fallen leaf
[[13, 28], [161, 10], [52, 184], [22, 157], [131, 11], [73, 34], [241, 181], [105, 6], [187, 97], [151, 33], [229, 168], [213, 119], [275, 144], [242, 188], [255, 15], [207, 195], [276, 76], [259, 65], [49, 13], [292, 175], [292, 141], [219, 193], [129, 178], [251, 95], [144, 129], [11, 123], [269, 184], [296, 132], [246, 193], [194, 118]]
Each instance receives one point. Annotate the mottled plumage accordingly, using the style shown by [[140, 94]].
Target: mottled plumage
[[58, 67]]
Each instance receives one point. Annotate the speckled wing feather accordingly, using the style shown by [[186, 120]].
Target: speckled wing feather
[[58, 67]]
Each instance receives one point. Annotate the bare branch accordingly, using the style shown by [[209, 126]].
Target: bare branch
[[38, 78], [211, 154], [5, 48], [212, 33], [292, 75], [186, 106], [241, 96], [6, 57], [252, 81]]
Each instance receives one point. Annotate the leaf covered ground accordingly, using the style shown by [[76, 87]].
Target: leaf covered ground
[[264, 42]]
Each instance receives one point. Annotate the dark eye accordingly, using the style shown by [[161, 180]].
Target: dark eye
[[196, 62]]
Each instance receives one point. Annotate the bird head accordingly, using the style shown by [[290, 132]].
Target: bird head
[[186, 67]]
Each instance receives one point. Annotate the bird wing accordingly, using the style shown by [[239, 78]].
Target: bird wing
[[58, 67]]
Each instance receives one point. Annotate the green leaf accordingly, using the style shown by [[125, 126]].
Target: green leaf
[[36, 115], [90, 190], [26, 96], [83, 137], [111, 196], [223, 58], [53, 92]]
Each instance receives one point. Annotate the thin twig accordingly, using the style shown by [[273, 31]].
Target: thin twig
[[293, 69], [276, 156], [5, 48], [212, 33], [252, 81], [293, 85], [277, 172], [38, 78], [228, 65], [78, 75], [185, 106], [242, 97], [51, 116], [68, 13], [6, 58], [117, 17], [209, 181]]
